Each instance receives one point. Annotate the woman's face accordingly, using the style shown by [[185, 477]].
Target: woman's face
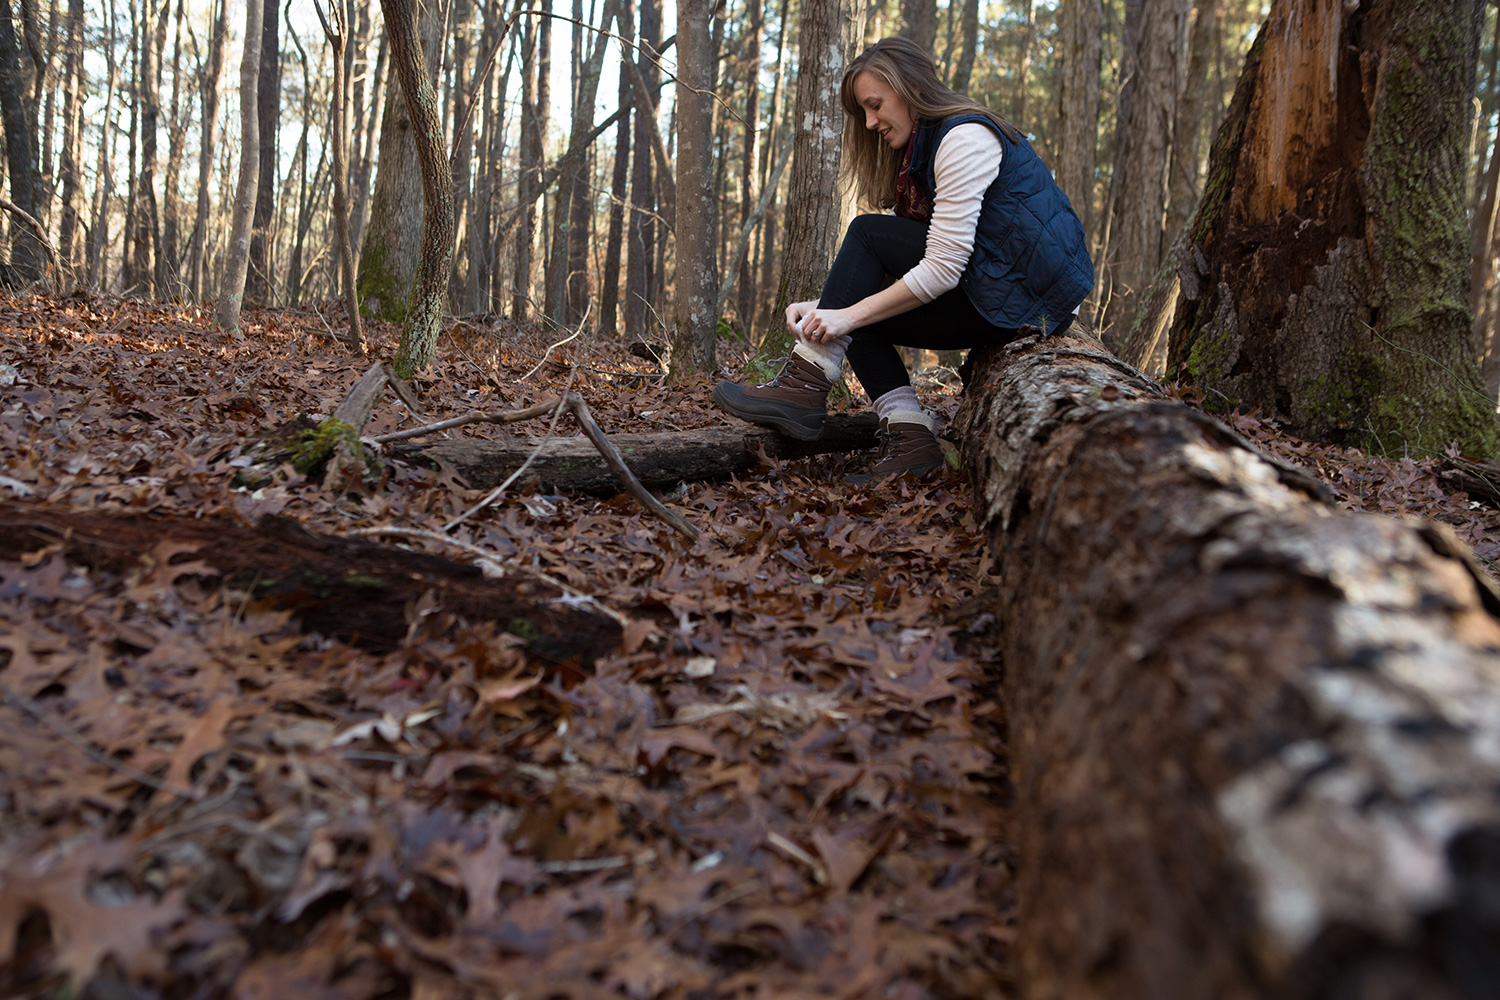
[[885, 111]]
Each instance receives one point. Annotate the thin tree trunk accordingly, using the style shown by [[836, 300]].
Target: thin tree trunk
[[259, 283], [292, 294], [104, 183], [232, 292], [1182, 180], [641, 227], [359, 216], [147, 234], [424, 314], [695, 299], [745, 306], [209, 91], [1023, 60], [609, 295], [336, 33], [70, 168], [964, 72], [171, 207], [918, 22], [1145, 128], [767, 249]]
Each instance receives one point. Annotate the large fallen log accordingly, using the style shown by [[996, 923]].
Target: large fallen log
[[659, 460], [1255, 737]]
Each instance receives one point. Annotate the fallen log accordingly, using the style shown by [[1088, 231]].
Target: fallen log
[[1255, 737], [660, 460], [348, 588]]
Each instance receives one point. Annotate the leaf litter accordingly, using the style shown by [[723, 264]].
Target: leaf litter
[[786, 778]]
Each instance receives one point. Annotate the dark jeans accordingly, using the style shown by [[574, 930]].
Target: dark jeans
[[876, 248]]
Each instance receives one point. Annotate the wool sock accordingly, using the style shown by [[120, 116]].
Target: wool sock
[[829, 356], [901, 405]]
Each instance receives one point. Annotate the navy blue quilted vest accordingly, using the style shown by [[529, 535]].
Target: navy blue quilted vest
[[1030, 265]]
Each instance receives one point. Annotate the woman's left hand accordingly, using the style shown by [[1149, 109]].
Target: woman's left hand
[[823, 325]]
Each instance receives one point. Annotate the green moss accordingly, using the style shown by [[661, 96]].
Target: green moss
[[365, 580], [311, 448], [380, 293], [522, 628]]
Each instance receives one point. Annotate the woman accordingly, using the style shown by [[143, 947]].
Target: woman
[[982, 243]]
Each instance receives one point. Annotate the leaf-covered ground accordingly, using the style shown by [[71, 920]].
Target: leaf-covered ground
[[789, 779]]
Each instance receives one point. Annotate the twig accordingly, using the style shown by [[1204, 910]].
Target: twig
[[486, 559], [37, 230], [472, 417], [619, 468], [495, 493], [72, 736], [587, 309]]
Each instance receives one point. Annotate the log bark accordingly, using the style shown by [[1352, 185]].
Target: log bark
[[1254, 737], [348, 588], [659, 460]]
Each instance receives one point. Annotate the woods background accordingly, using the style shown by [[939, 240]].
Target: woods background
[[574, 147]]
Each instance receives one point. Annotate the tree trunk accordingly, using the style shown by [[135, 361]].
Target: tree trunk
[[1345, 253], [965, 68], [27, 255], [535, 67], [745, 304], [695, 303], [816, 216], [71, 166], [918, 22], [208, 84], [259, 283], [232, 293], [609, 295], [641, 227], [659, 460], [1249, 731], [393, 236], [1182, 178], [429, 291], [337, 38], [1135, 247], [1023, 60], [374, 127], [104, 180], [303, 196], [147, 232], [1080, 47], [768, 320], [170, 259]]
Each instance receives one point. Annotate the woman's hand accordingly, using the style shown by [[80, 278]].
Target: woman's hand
[[820, 326], [795, 313]]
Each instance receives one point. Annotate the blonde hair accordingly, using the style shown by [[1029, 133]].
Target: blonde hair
[[870, 166]]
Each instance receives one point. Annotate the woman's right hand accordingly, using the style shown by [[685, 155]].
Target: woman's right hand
[[795, 314]]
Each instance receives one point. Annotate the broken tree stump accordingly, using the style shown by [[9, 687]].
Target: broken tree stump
[[1255, 738], [348, 588], [660, 460]]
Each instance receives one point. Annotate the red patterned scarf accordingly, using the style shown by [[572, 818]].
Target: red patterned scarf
[[912, 201]]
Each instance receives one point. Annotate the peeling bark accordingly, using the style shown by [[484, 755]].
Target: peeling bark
[[1254, 736]]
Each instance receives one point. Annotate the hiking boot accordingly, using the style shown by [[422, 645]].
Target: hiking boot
[[906, 445], [794, 402]]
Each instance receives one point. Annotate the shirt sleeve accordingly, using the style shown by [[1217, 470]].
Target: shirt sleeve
[[967, 163]]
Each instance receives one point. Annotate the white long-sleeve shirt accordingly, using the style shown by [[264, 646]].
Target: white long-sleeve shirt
[[967, 162]]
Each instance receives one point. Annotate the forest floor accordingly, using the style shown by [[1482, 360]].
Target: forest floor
[[787, 778]]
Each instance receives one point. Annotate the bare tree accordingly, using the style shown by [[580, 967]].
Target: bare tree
[[695, 299], [259, 285], [208, 89], [1079, 51], [424, 311], [70, 167], [26, 254], [232, 292], [336, 35]]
